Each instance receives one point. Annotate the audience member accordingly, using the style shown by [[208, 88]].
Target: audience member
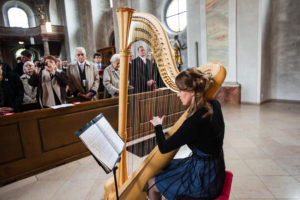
[[83, 77], [130, 57], [42, 59], [97, 61], [111, 76], [58, 62], [154, 72], [36, 63], [65, 65], [11, 90], [140, 76], [19, 59], [100, 68], [39, 65], [25, 56], [51, 83], [29, 91]]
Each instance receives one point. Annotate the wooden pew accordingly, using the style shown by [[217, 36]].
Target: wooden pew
[[38, 140], [34, 141]]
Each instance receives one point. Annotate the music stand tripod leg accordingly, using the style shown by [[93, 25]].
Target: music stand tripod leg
[[116, 185]]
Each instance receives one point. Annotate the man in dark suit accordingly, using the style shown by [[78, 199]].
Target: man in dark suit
[[25, 56], [141, 73], [100, 67]]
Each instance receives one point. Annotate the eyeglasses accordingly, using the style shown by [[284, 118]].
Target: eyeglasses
[[80, 54]]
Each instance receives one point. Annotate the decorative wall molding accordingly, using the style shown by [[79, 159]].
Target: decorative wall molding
[[39, 32]]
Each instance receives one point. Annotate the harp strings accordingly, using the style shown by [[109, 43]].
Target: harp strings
[[145, 101]]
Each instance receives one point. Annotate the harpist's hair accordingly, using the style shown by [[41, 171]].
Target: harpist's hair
[[193, 79]]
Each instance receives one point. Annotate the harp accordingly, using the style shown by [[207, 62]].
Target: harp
[[145, 27]]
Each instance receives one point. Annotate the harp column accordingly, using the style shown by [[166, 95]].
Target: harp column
[[124, 16]]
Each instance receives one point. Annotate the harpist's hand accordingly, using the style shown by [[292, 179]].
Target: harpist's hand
[[157, 120]]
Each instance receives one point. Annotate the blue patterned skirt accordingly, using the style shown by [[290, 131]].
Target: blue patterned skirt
[[200, 176]]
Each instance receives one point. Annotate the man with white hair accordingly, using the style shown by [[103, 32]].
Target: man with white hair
[[83, 77]]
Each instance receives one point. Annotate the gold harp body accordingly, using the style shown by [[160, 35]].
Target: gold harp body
[[145, 27]]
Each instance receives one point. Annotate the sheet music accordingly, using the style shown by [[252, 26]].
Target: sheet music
[[98, 144], [111, 135], [62, 105]]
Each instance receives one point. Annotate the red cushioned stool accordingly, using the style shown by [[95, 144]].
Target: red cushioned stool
[[225, 192]]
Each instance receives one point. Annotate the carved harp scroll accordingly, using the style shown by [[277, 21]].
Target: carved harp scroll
[[147, 28]]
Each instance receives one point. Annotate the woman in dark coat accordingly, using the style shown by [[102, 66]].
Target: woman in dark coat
[[11, 90], [201, 175]]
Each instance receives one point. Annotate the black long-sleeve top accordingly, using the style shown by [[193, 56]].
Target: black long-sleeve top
[[206, 134]]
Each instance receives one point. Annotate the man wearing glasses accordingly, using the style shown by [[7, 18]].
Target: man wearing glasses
[[83, 77]]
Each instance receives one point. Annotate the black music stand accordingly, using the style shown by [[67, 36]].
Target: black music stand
[[116, 185], [114, 172]]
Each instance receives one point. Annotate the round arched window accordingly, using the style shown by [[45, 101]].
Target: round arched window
[[18, 52], [176, 15], [17, 18]]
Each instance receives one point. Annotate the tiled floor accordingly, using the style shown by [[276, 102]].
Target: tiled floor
[[262, 149]]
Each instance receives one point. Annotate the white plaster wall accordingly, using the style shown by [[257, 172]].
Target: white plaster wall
[[231, 68], [248, 45]]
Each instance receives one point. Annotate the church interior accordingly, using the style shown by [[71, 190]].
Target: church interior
[[257, 42]]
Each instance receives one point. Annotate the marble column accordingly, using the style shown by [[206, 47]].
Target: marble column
[[79, 23], [283, 50], [46, 48], [86, 22], [117, 4]]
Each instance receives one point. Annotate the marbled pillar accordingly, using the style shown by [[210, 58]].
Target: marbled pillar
[[102, 23], [46, 47], [282, 77], [117, 4], [86, 22], [79, 23]]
